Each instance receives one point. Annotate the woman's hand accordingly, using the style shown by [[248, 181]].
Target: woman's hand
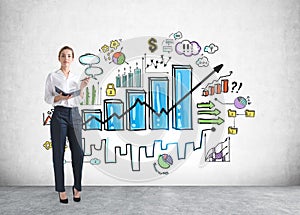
[[84, 83], [61, 97]]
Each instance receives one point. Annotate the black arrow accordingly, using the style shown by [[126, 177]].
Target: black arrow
[[138, 101]]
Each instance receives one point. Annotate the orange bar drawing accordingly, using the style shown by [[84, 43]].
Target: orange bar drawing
[[225, 85], [212, 90], [218, 88]]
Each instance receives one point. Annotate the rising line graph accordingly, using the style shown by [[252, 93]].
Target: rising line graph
[[163, 110], [230, 73]]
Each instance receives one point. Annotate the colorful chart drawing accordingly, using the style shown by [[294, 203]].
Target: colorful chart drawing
[[143, 151], [218, 88], [155, 63], [118, 58], [136, 119], [182, 85], [136, 105], [114, 108], [158, 98], [165, 161], [240, 102], [131, 79], [47, 120], [91, 119], [219, 153]]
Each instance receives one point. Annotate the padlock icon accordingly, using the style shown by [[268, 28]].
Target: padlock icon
[[110, 89]]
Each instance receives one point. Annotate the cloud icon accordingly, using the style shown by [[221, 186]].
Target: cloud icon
[[89, 59], [187, 48], [95, 161], [211, 49], [177, 35], [202, 61]]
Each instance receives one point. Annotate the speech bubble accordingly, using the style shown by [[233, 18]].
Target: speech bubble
[[89, 59], [177, 35], [211, 49], [93, 71], [187, 48], [202, 61]]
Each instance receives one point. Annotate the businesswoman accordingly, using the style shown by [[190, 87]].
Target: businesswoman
[[66, 121]]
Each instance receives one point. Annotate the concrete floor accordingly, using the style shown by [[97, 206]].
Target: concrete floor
[[153, 200]]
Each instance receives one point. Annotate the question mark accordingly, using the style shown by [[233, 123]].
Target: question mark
[[234, 85]]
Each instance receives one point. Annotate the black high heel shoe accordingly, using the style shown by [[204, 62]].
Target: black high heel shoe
[[76, 199], [64, 201]]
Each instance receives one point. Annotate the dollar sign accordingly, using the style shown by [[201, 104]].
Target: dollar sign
[[152, 44]]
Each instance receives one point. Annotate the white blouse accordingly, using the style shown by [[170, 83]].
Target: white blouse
[[70, 84]]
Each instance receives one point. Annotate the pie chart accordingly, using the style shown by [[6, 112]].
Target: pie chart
[[240, 102], [165, 161], [118, 58]]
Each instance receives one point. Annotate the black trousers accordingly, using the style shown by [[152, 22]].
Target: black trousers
[[66, 122]]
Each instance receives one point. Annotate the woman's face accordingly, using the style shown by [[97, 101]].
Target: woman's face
[[65, 57]]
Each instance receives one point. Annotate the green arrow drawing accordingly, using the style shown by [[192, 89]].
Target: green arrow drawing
[[215, 112], [209, 105], [218, 121]]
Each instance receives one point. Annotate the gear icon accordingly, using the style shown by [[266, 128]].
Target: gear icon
[[114, 44]]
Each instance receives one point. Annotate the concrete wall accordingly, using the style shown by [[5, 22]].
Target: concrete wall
[[258, 40]]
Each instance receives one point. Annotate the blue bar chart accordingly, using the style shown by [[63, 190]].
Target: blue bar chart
[[130, 79], [133, 104], [124, 80], [118, 80], [113, 109], [136, 119], [91, 119], [137, 77], [182, 85], [158, 100]]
